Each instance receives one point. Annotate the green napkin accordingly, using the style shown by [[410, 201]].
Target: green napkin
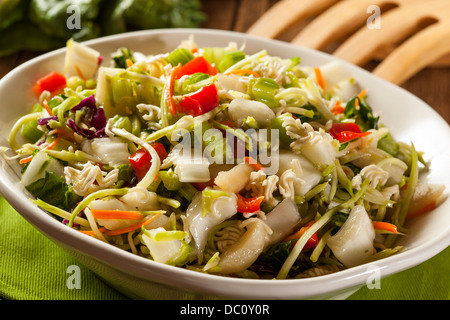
[[33, 268], [428, 281]]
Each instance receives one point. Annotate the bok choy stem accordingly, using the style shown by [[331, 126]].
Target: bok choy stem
[[317, 226]]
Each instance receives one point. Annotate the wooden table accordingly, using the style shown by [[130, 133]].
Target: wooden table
[[431, 84]]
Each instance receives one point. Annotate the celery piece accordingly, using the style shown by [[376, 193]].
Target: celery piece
[[122, 122], [213, 54], [251, 122], [388, 144], [179, 55], [31, 132], [194, 82], [75, 82], [229, 59], [170, 179], [264, 90], [122, 93], [277, 124]]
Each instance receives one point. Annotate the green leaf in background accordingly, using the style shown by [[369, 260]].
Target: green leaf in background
[[144, 14], [42, 25], [12, 11], [51, 16], [24, 36]]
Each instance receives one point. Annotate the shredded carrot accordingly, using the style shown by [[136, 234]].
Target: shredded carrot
[[60, 132], [170, 87], [254, 163], [129, 62], [52, 144], [319, 78], [122, 230], [362, 94], [386, 226], [26, 160], [299, 232], [132, 227], [80, 74], [338, 108], [45, 103], [116, 214], [91, 233], [243, 71]]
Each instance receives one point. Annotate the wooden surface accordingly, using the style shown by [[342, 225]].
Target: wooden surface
[[431, 84]]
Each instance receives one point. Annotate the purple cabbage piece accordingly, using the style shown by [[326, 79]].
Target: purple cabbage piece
[[88, 102], [95, 117], [87, 133], [44, 121], [98, 120]]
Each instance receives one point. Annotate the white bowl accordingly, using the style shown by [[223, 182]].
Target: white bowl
[[409, 118]]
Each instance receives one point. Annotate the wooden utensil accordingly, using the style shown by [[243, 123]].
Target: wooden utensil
[[410, 34]]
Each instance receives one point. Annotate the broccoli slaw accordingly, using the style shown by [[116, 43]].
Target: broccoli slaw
[[220, 161]]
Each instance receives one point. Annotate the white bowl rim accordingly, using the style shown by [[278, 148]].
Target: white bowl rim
[[221, 286]]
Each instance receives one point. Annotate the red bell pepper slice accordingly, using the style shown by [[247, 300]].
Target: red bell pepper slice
[[249, 205], [141, 160], [190, 106], [312, 241], [198, 64], [200, 186], [199, 102], [51, 82], [345, 132]]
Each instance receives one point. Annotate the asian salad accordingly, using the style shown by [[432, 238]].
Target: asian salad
[[219, 161]]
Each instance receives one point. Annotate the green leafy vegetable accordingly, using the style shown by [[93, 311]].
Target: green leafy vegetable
[[41, 25], [11, 11], [359, 110], [66, 19], [144, 14], [53, 190], [388, 144], [120, 57]]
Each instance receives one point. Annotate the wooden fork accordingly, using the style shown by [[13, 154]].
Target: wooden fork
[[413, 34]]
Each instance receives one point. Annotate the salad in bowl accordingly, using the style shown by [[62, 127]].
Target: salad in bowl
[[219, 161]]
